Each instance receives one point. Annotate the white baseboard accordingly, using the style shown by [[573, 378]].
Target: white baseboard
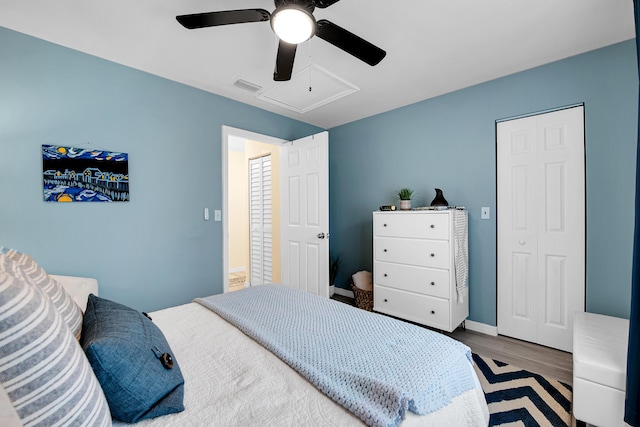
[[344, 292], [483, 328], [237, 270]]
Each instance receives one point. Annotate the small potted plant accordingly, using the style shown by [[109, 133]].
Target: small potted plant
[[405, 198]]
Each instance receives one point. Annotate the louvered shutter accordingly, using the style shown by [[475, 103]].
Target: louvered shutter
[[260, 218]]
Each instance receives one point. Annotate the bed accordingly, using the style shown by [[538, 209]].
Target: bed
[[232, 379]]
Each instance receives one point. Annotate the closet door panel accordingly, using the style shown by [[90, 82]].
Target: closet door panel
[[541, 226]]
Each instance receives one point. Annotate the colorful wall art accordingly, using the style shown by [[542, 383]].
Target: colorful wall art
[[84, 175]]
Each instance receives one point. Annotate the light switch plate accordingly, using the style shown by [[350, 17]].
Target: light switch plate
[[485, 213], [217, 215]]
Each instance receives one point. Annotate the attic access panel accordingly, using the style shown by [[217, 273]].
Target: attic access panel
[[309, 89]]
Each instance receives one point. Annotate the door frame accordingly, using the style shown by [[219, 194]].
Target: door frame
[[245, 134]]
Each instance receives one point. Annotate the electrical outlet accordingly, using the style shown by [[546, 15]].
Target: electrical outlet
[[485, 213]]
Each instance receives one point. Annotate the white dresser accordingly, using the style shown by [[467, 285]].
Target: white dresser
[[415, 256]]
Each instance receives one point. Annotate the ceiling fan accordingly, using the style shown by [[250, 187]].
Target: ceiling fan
[[293, 23]]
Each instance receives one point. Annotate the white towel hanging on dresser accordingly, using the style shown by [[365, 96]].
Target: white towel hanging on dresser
[[461, 252]]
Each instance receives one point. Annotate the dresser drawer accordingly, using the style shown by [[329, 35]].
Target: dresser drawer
[[414, 307], [422, 280], [398, 224], [423, 253]]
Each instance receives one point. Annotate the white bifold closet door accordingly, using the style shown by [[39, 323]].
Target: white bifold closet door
[[541, 226], [260, 221]]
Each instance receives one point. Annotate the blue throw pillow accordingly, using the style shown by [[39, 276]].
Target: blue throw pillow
[[132, 361]]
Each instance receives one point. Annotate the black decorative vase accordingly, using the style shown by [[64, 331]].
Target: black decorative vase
[[439, 200]]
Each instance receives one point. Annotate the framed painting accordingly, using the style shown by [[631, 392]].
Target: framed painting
[[83, 175]]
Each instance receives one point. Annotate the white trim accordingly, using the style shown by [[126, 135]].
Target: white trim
[[550, 110], [344, 292], [483, 328], [237, 270]]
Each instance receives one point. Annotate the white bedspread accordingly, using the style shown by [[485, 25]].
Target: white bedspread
[[230, 380]]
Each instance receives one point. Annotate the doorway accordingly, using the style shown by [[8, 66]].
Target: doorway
[[541, 226], [239, 149], [299, 207]]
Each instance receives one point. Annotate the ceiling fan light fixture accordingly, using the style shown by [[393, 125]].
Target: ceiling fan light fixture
[[293, 24]]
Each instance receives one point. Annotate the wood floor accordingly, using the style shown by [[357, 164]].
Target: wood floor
[[531, 357]]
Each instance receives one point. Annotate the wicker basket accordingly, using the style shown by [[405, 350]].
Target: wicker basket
[[364, 299]]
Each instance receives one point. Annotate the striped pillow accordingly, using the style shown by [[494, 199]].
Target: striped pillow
[[42, 367], [65, 304]]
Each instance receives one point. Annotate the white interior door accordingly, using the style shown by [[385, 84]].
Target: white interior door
[[305, 214], [260, 221], [541, 226]]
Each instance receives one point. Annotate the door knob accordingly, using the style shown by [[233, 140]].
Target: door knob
[[521, 242], [322, 235]]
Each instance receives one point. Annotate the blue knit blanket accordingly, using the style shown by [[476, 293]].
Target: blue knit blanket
[[375, 366]]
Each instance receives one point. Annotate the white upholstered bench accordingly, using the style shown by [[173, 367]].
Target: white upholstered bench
[[599, 368]]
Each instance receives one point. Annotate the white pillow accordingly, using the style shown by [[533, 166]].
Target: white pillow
[[42, 366], [78, 288]]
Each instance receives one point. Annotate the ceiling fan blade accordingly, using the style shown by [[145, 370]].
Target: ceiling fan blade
[[284, 61], [213, 19], [349, 42], [324, 3]]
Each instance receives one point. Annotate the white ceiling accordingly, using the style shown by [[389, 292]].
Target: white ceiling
[[433, 46]]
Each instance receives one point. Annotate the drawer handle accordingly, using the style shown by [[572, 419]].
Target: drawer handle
[[432, 255], [385, 274], [385, 300], [384, 250], [384, 225], [433, 226], [433, 283], [433, 312]]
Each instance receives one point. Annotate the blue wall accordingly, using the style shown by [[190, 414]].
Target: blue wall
[[449, 142], [156, 250]]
